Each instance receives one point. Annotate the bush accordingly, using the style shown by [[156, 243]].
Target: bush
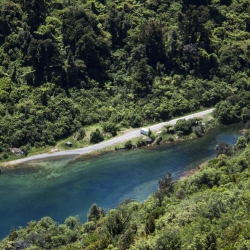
[[96, 136], [166, 185], [95, 213], [171, 139], [224, 148], [5, 156], [109, 127], [169, 239], [128, 144], [199, 130], [150, 225], [247, 125], [241, 142], [169, 129], [82, 134], [140, 142], [183, 127]]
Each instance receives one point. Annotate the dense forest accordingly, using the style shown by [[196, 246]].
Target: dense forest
[[207, 211], [66, 64]]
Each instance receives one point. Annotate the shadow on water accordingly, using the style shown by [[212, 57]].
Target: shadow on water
[[61, 186]]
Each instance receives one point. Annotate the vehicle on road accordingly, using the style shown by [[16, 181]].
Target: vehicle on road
[[144, 131]]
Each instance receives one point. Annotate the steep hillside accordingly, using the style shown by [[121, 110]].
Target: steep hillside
[[67, 64]]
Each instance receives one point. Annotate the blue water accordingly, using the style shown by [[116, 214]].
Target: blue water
[[63, 186]]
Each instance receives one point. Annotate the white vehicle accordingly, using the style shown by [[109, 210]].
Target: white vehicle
[[144, 131]]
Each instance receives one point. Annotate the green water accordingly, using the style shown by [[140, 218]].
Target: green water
[[60, 187]]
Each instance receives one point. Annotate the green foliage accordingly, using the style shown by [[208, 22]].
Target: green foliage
[[96, 136], [110, 128], [128, 144], [69, 64], [224, 148], [166, 184], [241, 142], [169, 240], [150, 225], [183, 127], [82, 134], [140, 142], [95, 213]]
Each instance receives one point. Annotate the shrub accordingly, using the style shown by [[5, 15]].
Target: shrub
[[183, 127], [128, 144], [170, 139], [150, 225], [95, 213], [166, 183], [5, 156], [82, 134], [247, 125], [224, 148], [199, 130], [140, 142], [241, 142], [96, 136], [109, 127]]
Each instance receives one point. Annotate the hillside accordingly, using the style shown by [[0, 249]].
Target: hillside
[[207, 211], [68, 64]]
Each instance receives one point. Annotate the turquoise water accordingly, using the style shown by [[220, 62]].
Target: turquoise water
[[62, 186]]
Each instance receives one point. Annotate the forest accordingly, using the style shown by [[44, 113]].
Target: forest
[[68, 64]]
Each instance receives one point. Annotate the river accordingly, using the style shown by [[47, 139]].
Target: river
[[63, 186]]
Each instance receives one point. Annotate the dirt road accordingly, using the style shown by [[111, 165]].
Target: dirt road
[[121, 138]]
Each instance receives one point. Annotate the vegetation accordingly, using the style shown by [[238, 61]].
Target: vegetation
[[69, 64], [66, 65], [209, 210], [96, 136]]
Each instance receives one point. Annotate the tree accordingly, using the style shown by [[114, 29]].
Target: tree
[[183, 127], [241, 142], [82, 134], [166, 184], [128, 144], [150, 225], [227, 112], [142, 78], [211, 241], [224, 148], [35, 12], [73, 222], [169, 239], [95, 213], [140, 142], [109, 127], [96, 136], [151, 35]]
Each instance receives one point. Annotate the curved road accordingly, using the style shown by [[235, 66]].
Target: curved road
[[125, 137]]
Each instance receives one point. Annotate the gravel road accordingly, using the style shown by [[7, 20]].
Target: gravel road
[[121, 138]]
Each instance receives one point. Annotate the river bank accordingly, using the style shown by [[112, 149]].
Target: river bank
[[105, 144], [62, 186]]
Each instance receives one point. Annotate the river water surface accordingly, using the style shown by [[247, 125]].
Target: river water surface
[[62, 186]]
